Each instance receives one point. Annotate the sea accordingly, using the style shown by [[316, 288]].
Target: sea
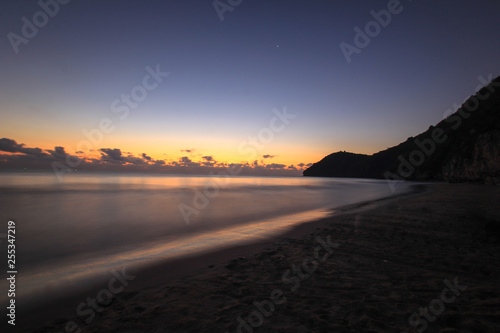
[[81, 227]]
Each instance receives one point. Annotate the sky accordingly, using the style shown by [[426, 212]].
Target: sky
[[193, 86]]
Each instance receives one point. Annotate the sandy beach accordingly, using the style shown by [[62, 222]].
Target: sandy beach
[[429, 262]]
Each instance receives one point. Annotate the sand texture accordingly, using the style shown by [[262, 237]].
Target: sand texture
[[427, 262]]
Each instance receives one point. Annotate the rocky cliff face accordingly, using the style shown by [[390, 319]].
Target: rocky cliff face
[[480, 163], [463, 147]]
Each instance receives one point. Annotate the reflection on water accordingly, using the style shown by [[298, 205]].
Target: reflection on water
[[92, 222]]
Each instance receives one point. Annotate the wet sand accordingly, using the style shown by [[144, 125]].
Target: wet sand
[[429, 261]]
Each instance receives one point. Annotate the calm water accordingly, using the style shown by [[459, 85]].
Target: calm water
[[91, 223]]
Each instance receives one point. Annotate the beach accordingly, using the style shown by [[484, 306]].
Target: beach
[[250, 166], [428, 261]]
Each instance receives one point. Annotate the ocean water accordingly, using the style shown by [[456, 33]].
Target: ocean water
[[90, 223]]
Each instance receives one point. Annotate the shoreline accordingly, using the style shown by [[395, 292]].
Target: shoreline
[[217, 269], [173, 269]]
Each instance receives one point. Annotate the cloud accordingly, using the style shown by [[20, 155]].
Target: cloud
[[18, 156], [28, 157], [275, 166], [187, 150], [269, 156], [58, 152], [115, 155], [111, 155], [185, 159], [34, 151], [135, 160], [209, 161], [12, 146]]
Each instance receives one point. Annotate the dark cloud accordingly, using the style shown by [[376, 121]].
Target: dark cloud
[[111, 155], [187, 150], [35, 152], [209, 161], [58, 152], [115, 155], [135, 160], [186, 161], [269, 156], [275, 166], [19, 156], [12, 146]]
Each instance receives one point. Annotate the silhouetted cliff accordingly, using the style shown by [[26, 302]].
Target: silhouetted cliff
[[463, 147]]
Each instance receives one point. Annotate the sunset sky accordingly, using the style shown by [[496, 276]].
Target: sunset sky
[[225, 78]]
